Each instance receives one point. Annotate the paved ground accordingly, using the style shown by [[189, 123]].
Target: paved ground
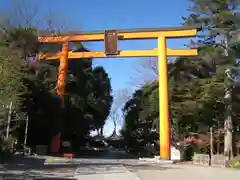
[[113, 169], [105, 171], [108, 169], [184, 172]]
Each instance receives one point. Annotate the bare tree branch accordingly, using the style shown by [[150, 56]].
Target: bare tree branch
[[29, 14], [145, 72], [116, 115], [120, 98]]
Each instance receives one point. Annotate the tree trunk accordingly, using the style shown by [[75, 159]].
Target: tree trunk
[[9, 120], [228, 130], [228, 125], [115, 127]]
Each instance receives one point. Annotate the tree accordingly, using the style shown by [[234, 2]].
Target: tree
[[219, 19], [131, 129], [140, 113], [10, 84], [121, 96], [16, 45], [196, 84], [88, 98], [39, 101], [104, 97]]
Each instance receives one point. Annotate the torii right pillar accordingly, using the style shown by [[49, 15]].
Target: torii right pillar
[[162, 53], [165, 139]]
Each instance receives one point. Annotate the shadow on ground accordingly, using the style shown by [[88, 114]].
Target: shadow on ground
[[27, 176], [108, 154], [26, 163], [34, 168], [159, 167]]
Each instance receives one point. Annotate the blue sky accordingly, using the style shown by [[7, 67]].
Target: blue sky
[[89, 15]]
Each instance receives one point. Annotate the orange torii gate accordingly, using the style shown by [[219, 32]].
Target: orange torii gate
[[111, 37]]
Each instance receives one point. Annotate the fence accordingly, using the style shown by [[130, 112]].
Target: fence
[[204, 159], [201, 159], [218, 160]]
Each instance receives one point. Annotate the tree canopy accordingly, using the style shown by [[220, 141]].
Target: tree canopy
[[30, 85]]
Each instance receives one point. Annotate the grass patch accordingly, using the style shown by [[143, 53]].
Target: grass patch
[[234, 163]]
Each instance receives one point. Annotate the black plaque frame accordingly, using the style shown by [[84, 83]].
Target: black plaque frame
[[111, 42]]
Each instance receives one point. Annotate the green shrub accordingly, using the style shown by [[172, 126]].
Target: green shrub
[[234, 163], [6, 145]]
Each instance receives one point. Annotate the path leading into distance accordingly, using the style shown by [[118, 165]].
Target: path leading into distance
[[110, 169]]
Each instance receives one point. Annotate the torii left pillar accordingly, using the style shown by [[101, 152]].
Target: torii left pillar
[[61, 83]]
